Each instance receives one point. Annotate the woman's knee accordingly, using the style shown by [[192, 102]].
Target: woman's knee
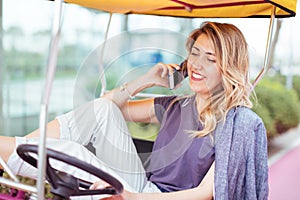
[[106, 107]]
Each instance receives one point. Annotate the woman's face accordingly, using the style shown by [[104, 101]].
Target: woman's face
[[203, 70]]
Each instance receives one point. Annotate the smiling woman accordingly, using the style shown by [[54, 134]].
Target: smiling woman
[[205, 71], [210, 145], [213, 130]]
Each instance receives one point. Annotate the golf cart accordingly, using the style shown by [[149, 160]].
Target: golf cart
[[63, 184]]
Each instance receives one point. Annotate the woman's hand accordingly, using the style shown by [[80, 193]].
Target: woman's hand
[[124, 196], [158, 75], [99, 185]]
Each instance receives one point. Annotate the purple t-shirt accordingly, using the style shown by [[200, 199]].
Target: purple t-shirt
[[178, 160]]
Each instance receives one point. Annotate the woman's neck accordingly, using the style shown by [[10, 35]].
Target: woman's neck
[[200, 101]]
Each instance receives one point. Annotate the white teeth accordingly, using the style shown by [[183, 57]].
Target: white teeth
[[197, 76]]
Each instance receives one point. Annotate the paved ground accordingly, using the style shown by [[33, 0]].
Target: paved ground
[[284, 166]]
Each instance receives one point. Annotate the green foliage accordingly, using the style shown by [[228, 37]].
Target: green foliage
[[278, 106], [27, 181], [296, 85], [21, 63], [25, 64], [71, 56], [264, 113], [282, 80]]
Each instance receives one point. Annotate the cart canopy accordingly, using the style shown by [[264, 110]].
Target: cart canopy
[[195, 8]]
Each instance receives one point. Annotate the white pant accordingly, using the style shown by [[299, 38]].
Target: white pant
[[100, 124]]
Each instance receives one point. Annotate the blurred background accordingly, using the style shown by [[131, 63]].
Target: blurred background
[[25, 37], [134, 44]]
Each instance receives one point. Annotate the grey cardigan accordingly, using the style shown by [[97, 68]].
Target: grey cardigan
[[241, 159]]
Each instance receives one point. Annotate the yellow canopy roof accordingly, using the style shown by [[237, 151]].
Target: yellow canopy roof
[[194, 8]]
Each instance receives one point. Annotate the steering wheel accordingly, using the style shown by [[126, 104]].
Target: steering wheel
[[63, 184]]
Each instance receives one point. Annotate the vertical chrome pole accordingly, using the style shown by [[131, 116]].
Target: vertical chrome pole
[[100, 61], [51, 68], [289, 76], [267, 53]]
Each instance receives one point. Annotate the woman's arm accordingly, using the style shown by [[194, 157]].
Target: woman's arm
[[140, 110], [204, 191]]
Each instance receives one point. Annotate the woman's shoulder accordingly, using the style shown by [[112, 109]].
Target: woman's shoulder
[[245, 123], [246, 115], [164, 99], [173, 100]]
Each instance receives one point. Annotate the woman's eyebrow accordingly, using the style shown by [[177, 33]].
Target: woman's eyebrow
[[206, 52], [210, 53], [194, 47]]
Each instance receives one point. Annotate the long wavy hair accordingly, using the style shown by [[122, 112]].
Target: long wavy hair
[[232, 56]]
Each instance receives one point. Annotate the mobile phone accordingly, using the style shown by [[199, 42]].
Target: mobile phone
[[177, 76]]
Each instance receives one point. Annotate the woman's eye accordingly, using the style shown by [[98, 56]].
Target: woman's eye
[[211, 60]]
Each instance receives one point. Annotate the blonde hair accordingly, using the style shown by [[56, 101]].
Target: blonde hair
[[232, 56]]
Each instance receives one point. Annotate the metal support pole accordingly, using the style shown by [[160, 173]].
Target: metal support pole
[[1, 68], [267, 53], [20, 186], [289, 76], [100, 62], [51, 68]]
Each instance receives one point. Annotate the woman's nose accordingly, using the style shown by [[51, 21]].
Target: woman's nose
[[196, 64]]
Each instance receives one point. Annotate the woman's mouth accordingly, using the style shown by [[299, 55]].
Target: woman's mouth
[[197, 76]]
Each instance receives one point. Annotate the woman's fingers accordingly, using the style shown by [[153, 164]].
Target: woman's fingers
[[114, 197], [175, 66], [164, 71], [167, 69], [159, 74], [99, 185]]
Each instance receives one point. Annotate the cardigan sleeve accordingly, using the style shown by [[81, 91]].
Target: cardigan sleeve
[[241, 170], [257, 159]]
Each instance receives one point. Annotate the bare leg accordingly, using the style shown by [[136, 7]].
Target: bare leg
[[101, 123], [7, 147], [53, 131], [8, 144]]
